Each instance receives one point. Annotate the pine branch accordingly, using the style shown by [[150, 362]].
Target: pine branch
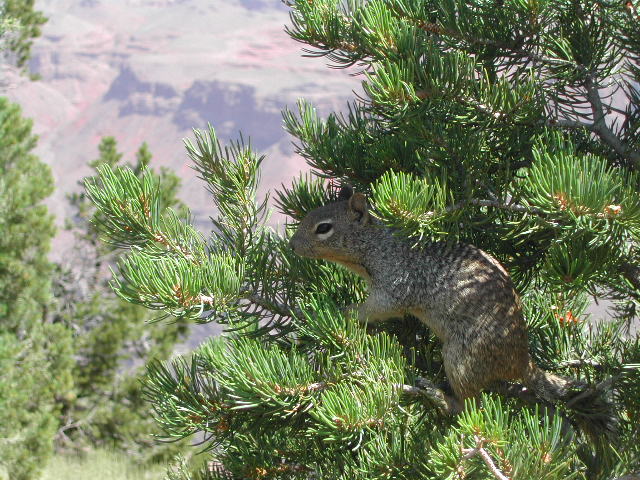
[[512, 48], [565, 123], [277, 308], [479, 449], [304, 382], [513, 207], [599, 125], [581, 362]]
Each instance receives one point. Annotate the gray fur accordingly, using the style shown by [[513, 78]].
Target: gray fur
[[460, 292]]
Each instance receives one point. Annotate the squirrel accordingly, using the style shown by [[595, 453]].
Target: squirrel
[[461, 293]]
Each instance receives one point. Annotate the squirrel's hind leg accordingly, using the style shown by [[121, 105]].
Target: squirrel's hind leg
[[468, 374]]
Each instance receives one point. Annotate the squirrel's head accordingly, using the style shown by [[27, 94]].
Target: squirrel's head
[[334, 231]]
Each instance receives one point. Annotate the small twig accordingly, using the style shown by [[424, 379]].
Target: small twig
[[281, 309], [513, 207], [565, 123], [78, 423], [468, 453], [492, 466], [505, 206]]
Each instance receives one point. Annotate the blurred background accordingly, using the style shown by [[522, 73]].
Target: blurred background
[[151, 70]]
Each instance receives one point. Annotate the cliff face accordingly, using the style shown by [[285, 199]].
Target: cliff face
[[151, 70]]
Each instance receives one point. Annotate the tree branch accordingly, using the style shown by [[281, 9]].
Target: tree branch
[[599, 126], [278, 308], [468, 453], [564, 123], [581, 362], [525, 54], [492, 203]]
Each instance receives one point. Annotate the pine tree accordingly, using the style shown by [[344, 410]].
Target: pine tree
[[113, 339], [509, 125], [35, 355], [19, 25]]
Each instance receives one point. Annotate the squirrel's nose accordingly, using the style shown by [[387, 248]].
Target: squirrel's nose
[[294, 242]]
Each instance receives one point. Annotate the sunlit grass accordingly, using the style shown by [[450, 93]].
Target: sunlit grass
[[99, 465]]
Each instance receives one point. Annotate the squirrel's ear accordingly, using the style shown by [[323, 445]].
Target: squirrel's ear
[[346, 192], [358, 206]]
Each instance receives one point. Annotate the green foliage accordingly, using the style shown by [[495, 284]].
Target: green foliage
[[484, 122], [28, 403], [112, 338], [23, 24], [523, 445], [27, 181], [232, 174], [413, 205], [109, 154], [35, 355]]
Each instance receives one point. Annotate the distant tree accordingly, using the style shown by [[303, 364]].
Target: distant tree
[[109, 154], [19, 25], [113, 339], [35, 354]]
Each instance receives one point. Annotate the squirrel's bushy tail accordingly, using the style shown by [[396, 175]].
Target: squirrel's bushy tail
[[588, 406]]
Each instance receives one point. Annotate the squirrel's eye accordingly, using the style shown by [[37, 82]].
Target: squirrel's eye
[[323, 228]]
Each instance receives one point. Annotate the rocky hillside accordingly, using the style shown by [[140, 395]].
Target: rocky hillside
[[151, 70]]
